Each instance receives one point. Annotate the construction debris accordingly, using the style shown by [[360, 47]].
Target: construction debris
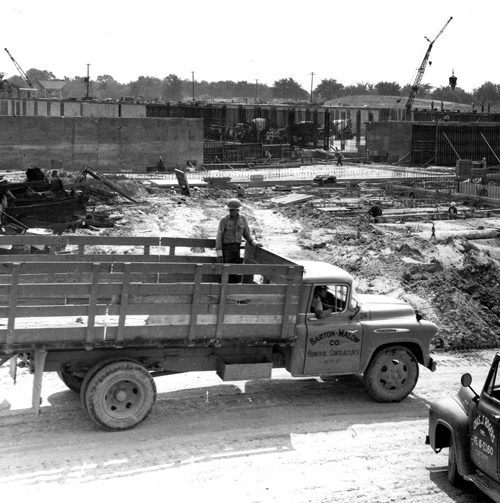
[[81, 179], [325, 180], [291, 199], [40, 202]]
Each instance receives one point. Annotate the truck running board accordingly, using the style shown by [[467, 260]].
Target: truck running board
[[485, 484]]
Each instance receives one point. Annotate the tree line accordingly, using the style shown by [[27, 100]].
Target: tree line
[[173, 89]]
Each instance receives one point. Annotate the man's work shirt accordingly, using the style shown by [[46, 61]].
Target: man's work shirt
[[232, 230]]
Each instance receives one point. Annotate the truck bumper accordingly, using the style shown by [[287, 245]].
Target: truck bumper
[[432, 365]]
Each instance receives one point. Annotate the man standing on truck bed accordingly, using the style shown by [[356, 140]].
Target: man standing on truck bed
[[232, 229]]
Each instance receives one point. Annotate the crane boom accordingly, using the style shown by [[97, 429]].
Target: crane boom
[[19, 69], [420, 74]]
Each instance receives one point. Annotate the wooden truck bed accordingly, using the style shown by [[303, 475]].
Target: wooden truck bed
[[145, 295]]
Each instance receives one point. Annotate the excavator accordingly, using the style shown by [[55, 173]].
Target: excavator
[[420, 73]]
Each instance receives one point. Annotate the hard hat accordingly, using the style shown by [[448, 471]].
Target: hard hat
[[233, 204], [452, 204]]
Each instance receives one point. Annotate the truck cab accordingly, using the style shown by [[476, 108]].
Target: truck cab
[[468, 424], [378, 336]]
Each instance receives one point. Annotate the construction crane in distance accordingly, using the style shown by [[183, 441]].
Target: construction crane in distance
[[420, 73], [19, 69]]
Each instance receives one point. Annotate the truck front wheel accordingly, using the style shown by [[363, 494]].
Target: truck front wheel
[[392, 374], [454, 477], [120, 395]]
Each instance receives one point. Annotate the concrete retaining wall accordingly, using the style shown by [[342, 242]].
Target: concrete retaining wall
[[106, 144], [66, 108], [389, 141]]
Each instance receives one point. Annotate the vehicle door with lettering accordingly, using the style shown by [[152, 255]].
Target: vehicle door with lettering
[[334, 342], [485, 425]]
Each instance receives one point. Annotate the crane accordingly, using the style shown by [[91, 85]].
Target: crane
[[19, 69], [420, 73]]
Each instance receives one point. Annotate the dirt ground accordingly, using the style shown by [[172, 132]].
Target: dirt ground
[[306, 440]]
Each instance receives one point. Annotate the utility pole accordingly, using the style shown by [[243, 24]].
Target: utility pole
[[256, 87], [87, 80], [312, 77], [192, 83]]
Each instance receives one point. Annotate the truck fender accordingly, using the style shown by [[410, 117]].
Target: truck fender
[[447, 420]]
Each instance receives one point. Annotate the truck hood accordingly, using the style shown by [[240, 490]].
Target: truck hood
[[381, 307]]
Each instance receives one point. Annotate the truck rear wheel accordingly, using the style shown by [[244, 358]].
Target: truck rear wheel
[[72, 381], [91, 373], [120, 395], [392, 374]]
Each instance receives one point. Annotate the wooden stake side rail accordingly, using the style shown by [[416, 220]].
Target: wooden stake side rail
[[80, 245], [60, 305], [67, 257]]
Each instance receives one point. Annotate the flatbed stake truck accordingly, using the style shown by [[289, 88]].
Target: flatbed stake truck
[[108, 323]]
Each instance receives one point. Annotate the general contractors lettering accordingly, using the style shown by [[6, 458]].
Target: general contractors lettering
[[333, 352], [346, 334]]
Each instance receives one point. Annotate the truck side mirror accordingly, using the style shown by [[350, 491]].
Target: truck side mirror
[[466, 380], [357, 308]]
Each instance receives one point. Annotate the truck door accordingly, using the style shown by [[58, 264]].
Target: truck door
[[485, 425], [333, 344]]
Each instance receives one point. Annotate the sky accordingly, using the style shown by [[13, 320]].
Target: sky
[[350, 41]]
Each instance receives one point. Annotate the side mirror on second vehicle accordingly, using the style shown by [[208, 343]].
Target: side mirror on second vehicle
[[466, 380]]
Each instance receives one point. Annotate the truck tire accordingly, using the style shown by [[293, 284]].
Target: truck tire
[[120, 395], [392, 374], [72, 381], [454, 478], [92, 372]]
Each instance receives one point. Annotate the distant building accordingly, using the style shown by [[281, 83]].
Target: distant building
[[52, 88]]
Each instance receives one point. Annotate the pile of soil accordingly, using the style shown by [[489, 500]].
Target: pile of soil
[[455, 285]]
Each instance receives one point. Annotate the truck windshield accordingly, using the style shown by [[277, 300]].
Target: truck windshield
[[493, 387]]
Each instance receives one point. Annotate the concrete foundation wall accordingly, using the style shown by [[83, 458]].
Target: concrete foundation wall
[[72, 109], [389, 141], [133, 110], [107, 144], [99, 110], [66, 108]]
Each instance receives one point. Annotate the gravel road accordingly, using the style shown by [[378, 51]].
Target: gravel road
[[280, 440]]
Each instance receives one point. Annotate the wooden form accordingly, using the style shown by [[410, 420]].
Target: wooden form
[[445, 142]]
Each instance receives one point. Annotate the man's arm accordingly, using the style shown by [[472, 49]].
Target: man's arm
[[247, 234], [319, 311]]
